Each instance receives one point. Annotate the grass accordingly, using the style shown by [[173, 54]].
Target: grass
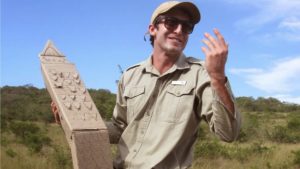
[[280, 156], [55, 156], [256, 149]]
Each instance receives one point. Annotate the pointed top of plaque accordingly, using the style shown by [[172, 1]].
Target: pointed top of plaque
[[51, 50]]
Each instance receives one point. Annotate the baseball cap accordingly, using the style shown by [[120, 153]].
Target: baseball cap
[[187, 6]]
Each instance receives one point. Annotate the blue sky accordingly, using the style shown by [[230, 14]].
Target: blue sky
[[263, 36]]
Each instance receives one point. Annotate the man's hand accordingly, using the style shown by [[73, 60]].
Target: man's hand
[[55, 112], [216, 51]]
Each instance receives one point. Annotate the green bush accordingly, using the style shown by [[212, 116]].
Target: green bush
[[62, 159], [104, 101], [209, 149], [10, 153], [294, 124], [21, 129], [243, 137], [214, 149], [242, 154], [259, 148], [3, 124], [297, 157], [4, 141], [283, 134], [249, 104], [35, 142], [280, 134], [25, 103], [30, 135], [203, 132], [251, 128]]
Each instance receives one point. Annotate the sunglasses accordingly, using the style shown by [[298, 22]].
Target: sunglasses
[[172, 23]]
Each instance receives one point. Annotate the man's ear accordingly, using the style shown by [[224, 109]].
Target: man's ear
[[152, 30]]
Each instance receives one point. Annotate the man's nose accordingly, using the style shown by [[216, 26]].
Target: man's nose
[[179, 29]]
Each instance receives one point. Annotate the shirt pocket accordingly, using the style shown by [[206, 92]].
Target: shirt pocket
[[177, 104], [134, 96]]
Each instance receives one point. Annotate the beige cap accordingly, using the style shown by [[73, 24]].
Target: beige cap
[[167, 6]]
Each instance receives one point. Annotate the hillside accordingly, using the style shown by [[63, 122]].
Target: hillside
[[270, 135]]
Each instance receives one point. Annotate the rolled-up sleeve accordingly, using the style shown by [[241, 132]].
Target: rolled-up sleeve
[[225, 124]]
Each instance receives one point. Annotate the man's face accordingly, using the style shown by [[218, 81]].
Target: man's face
[[171, 41]]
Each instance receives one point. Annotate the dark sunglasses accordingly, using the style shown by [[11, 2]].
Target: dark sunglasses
[[172, 23]]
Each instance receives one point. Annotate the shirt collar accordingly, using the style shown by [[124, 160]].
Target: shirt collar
[[180, 64]]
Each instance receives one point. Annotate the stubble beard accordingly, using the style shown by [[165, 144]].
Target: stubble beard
[[172, 49]]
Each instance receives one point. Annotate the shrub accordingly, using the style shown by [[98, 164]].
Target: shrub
[[283, 134], [35, 142], [61, 158], [297, 157], [210, 149], [213, 149], [4, 141], [280, 134], [294, 124], [3, 124], [10, 153], [243, 137], [30, 135], [257, 147], [242, 154], [251, 128], [21, 129]]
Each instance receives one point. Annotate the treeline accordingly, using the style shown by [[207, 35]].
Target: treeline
[[28, 103], [249, 104]]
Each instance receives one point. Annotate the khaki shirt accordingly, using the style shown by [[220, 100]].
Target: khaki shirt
[[159, 114]]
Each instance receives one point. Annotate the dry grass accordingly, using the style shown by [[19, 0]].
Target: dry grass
[[281, 157], [277, 156], [25, 159]]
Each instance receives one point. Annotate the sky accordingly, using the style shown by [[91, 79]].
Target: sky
[[263, 38]]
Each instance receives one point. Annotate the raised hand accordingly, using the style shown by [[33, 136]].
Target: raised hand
[[216, 52]]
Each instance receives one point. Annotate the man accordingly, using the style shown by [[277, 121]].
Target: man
[[161, 101]]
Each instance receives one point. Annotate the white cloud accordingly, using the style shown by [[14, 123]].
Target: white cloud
[[292, 23], [283, 13], [288, 98], [282, 78], [290, 36], [248, 70], [289, 29]]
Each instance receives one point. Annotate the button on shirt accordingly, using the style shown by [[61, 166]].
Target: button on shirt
[[159, 114]]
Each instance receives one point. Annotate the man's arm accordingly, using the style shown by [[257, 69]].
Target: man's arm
[[119, 118], [113, 132], [219, 110], [216, 56]]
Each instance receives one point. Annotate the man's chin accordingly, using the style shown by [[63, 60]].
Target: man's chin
[[175, 47], [174, 52]]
